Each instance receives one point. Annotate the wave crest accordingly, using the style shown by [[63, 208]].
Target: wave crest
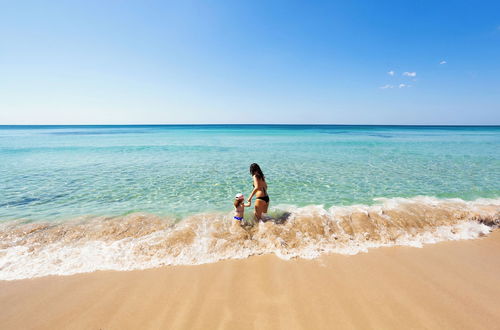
[[139, 241]]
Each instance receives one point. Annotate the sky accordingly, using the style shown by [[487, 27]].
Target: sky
[[289, 62]]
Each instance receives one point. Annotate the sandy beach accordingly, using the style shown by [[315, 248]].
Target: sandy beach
[[446, 285], [250, 165]]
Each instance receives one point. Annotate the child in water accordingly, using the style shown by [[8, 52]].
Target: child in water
[[239, 207]]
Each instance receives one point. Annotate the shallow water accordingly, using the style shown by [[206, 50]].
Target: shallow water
[[138, 241], [67, 171], [82, 198]]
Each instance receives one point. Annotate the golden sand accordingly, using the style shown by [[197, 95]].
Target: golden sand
[[449, 285]]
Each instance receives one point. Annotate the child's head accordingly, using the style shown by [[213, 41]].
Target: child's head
[[238, 199]]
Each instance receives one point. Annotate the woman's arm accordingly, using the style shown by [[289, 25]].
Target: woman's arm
[[255, 188]]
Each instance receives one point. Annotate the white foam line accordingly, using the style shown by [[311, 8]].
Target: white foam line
[[211, 238]]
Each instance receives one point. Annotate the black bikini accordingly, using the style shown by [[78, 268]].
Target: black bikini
[[264, 198]]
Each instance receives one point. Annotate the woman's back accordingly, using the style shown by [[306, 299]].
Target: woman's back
[[261, 185]]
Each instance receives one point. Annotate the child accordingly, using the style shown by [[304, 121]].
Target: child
[[239, 206]]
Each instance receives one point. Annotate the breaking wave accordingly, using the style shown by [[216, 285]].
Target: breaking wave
[[139, 241]]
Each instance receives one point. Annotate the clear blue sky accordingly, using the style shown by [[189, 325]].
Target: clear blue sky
[[338, 62]]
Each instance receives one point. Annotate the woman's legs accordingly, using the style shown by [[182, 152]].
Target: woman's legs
[[265, 207], [260, 207]]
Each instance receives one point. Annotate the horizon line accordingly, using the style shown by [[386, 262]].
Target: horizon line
[[253, 124]]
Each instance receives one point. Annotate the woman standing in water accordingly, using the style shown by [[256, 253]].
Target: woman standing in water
[[259, 190]]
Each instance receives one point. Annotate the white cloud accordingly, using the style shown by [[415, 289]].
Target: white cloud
[[410, 74], [443, 62], [388, 86], [391, 73]]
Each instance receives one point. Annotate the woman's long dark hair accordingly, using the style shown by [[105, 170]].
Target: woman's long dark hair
[[255, 170]]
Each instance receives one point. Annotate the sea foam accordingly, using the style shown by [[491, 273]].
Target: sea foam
[[140, 241]]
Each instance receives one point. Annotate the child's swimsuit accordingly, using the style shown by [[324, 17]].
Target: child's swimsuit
[[238, 218]]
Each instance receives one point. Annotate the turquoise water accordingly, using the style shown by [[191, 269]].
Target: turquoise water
[[77, 199], [54, 172]]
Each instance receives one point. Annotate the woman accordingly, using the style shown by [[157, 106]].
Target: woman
[[259, 190]]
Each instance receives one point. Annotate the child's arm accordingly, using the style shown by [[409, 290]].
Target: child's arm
[[248, 204]]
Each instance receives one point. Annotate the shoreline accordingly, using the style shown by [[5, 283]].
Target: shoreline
[[141, 241], [451, 284]]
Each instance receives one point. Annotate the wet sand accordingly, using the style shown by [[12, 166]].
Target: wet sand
[[442, 286]]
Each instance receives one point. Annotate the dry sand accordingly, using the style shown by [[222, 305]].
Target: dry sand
[[450, 285]]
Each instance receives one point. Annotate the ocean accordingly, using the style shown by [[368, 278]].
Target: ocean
[[83, 198]]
